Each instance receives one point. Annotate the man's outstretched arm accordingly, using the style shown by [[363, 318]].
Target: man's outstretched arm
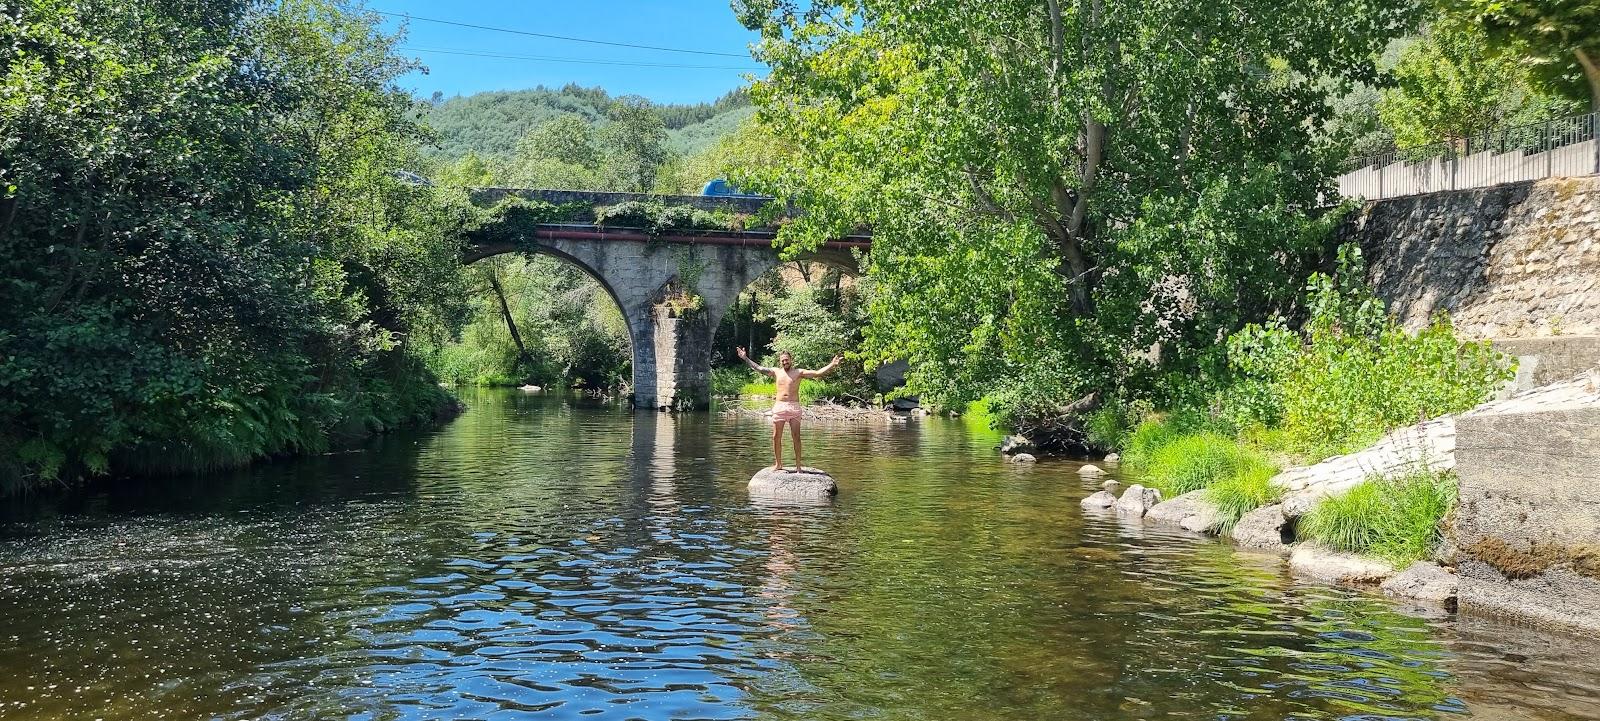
[[820, 372], [757, 367]]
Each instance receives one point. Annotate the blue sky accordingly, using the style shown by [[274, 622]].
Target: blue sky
[[691, 24]]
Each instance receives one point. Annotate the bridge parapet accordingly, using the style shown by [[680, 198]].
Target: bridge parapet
[[749, 204]]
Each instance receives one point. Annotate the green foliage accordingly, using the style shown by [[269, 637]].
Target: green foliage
[[492, 124], [1189, 462], [1111, 426], [1243, 491], [1397, 519], [1177, 455], [732, 380], [207, 256], [1450, 85], [571, 330], [1023, 252], [1556, 39], [1353, 373]]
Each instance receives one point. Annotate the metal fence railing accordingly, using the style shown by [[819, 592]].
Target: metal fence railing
[[1556, 147]]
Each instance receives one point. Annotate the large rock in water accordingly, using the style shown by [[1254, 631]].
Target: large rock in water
[[1190, 511], [1265, 528], [1100, 500], [1137, 500], [805, 483], [1423, 581], [1347, 568]]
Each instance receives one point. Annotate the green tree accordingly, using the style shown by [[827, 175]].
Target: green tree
[[206, 255], [1558, 39], [632, 146], [1063, 196], [1450, 85]]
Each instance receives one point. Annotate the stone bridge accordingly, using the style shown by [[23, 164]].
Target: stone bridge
[[652, 277]]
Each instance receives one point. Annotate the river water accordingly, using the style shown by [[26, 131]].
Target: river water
[[543, 557]]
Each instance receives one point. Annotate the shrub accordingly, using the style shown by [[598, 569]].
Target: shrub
[[731, 380], [1395, 518], [1352, 373]]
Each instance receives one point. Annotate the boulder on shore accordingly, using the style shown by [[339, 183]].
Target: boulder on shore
[[1016, 444], [1423, 581], [1265, 529], [1100, 501], [1090, 470], [802, 483], [1190, 511], [1137, 500], [1328, 565], [1024, 458]]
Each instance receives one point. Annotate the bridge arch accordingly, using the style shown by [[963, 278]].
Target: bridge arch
[[673, 290]]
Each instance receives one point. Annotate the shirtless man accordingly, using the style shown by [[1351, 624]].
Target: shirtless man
[[787, 408]]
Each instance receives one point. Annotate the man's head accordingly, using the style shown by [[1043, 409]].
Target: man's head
[[785, 359]]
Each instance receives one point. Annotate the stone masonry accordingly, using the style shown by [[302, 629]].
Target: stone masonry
[[1519, 260]]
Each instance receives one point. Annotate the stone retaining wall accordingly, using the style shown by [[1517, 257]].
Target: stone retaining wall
[[1519, 260]]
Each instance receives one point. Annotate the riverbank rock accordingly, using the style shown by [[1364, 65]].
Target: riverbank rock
[[1024, 458], [1320, 563], [529, 389], [1190, 511], [1090, 470], [1100, 501], [1264, 529], [802, 483], [1137, 500], [1016, 444], [1431, 445], [1423, 581]]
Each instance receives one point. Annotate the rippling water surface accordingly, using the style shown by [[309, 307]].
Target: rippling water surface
[[543, 558]]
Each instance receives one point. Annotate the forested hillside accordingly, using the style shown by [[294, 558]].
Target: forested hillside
[[490, 124]]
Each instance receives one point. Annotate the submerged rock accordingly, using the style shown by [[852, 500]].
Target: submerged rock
[[1137, 500], [804, 482], [1090, 470], [529, 388], [1100, 500], [1265, 528], [1190, 511], [1112, 458], [1024, 458], [1111, 484], [1321, 563], [1423, 581]]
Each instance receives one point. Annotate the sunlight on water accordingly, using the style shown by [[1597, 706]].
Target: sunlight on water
[[540, 558]]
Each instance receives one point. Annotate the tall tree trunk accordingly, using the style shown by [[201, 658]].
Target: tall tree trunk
[[1591, 72], [505, 312]]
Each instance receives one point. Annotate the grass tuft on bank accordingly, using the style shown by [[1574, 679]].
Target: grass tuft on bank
[[1396, 518], [1176, 456]]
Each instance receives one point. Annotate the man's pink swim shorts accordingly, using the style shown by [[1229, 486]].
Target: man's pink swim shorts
[[785, 411]]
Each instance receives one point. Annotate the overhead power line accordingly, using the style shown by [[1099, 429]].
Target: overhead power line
[[582, 61], [560, 37]]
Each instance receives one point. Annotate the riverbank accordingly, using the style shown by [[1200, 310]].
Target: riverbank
[[1441, 513]]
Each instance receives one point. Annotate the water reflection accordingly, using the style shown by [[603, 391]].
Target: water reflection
[[544, 557]]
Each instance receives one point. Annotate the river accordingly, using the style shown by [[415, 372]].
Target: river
[[548, 557]]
